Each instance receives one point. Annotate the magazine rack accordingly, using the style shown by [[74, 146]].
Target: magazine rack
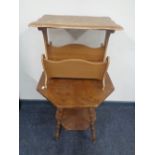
[[75, 78]]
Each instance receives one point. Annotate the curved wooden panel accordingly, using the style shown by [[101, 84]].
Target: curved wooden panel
[[75, 68], [75, 51]]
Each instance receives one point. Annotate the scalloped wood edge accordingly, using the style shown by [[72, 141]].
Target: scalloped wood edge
[[76, 51], [75, 68]]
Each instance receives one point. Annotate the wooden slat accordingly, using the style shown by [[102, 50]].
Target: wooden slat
[[75, 68], [76, 22], [76, 51]]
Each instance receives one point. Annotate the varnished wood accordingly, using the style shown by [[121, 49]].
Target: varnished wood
[[76, 93], [45, 37], [77, 118], [75, 68], [106, 40], [92, 123], [76, 22], [105, 72], [59, 115], [75, 77], [76, 51]]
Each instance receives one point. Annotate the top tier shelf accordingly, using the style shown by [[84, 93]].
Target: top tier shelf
[[76, 22]]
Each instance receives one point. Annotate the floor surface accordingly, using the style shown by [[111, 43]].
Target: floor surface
[[115, 127]]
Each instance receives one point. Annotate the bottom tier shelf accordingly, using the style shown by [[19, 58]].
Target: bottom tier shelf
[[77, 119]]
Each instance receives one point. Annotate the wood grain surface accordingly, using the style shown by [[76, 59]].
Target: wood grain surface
[[76, 118], [75, 93], [75, 68], [76, 22], [76, 51]]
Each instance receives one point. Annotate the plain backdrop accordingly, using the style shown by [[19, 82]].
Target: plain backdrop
[[120, 49]]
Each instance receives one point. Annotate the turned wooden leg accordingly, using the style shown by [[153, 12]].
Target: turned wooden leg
[[93, 131], [92, 124], [57, 134], [59, 114]]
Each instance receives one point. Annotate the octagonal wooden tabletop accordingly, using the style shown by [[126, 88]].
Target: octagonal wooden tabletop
[[71, 93]]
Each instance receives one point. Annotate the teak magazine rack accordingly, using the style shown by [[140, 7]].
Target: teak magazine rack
[[75, 77]]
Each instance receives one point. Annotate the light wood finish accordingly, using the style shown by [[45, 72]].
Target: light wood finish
[[45, 37], [75, 93], [76, 51], [106, 40], [76, 22], [75, 68]]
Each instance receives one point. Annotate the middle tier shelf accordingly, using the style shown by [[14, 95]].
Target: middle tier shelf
[[76, 51], [75, 93]]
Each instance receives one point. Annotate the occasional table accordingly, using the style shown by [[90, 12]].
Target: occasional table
[[75, 78]]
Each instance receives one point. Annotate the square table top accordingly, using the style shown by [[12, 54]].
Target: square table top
[[76, 22]]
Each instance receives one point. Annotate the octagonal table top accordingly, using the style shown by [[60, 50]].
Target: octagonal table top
[[76, 93]]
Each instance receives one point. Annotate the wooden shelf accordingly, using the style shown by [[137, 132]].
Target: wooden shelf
[[76, 22], [77, 119], [71, 93], [76, 51]]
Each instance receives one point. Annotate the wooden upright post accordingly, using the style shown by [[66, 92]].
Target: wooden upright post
[[45, 37], [106, 40]]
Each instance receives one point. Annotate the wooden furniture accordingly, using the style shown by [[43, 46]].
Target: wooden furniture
[[75, 78]]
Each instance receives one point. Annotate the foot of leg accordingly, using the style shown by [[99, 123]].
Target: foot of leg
[[58, 125], [57, 135], [93, 132]]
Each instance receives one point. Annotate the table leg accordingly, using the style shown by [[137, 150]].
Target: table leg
[[92, 124], [59, 114]]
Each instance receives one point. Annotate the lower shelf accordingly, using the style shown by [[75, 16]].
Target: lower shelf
[[77, 119]]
